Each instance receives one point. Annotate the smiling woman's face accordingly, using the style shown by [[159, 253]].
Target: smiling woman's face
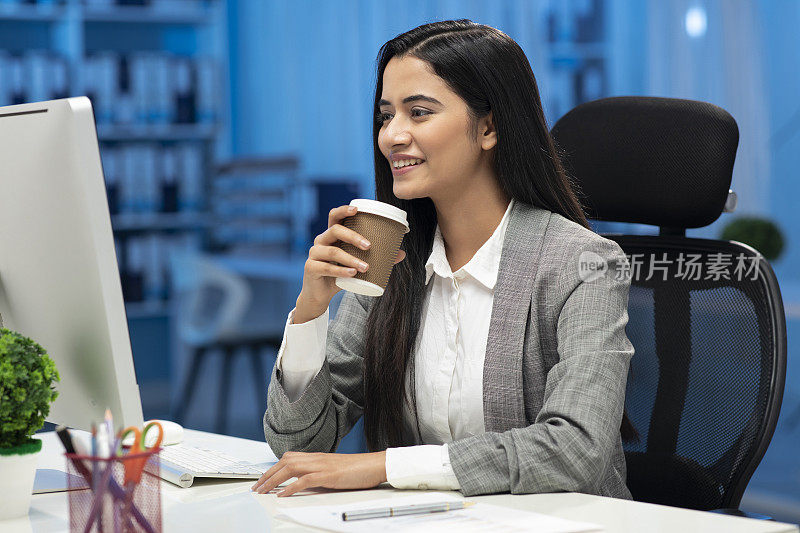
[[424, 119]]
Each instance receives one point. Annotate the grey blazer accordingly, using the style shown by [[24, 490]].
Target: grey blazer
[[554, 376]]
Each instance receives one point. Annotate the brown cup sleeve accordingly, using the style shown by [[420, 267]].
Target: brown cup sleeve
[[385, 236]]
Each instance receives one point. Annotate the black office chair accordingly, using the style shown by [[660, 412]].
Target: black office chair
[[707, 378]]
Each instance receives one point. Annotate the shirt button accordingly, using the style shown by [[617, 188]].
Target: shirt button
[[422, 486]]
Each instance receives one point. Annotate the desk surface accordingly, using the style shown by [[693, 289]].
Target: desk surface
[[213, 505]]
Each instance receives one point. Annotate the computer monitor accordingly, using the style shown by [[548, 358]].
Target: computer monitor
[[59, 281]]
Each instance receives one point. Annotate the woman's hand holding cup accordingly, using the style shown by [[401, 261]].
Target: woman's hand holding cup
[[326, 262]]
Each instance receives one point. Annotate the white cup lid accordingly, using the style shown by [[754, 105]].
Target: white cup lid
[[359, 286], [383, 209]]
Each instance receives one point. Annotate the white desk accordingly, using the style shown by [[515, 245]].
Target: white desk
[[230, 506]]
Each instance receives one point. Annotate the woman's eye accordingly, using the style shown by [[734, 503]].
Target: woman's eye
[[383, 117]]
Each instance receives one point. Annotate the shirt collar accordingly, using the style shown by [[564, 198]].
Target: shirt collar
[[483, 266]]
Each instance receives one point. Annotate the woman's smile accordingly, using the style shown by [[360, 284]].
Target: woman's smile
[[405, 169]]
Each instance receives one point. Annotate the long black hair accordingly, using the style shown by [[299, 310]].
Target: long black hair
[[490, 72]]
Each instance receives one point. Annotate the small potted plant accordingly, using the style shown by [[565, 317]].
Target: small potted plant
[[27, 377], [760, 233]]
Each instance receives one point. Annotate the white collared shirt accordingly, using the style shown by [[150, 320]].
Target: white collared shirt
[[449, 361]]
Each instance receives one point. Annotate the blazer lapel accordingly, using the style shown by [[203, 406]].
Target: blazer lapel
[[503, 399]]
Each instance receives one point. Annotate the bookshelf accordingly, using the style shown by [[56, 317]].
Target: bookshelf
[[156, 73]]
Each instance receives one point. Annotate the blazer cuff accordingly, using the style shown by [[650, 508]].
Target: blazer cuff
[[420, 467], [293, 416]]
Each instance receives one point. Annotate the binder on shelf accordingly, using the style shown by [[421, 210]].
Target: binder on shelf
[[155, 253], [5, 78], [207, 90], [111, 172], [149, 182], [129, 180], [183, 92], [170, 190], [190, 168]]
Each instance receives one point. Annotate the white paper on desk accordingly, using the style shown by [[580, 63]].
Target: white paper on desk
[[480, 517]]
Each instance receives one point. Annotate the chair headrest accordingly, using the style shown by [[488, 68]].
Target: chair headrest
[[648, 160]]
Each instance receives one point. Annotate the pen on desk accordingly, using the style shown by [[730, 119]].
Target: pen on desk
[[103, 441], [401, 510], [94, 454], [109, 420]]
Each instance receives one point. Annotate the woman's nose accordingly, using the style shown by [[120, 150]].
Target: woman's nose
[[398, 133]]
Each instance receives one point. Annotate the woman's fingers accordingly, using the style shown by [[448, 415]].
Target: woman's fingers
[[266, 475], [323, 256], [338, 213], [276, 479], [288, 457], [332, 261], [305, 482], [337, 232], [291, 464], [333, 254], [321, 268]]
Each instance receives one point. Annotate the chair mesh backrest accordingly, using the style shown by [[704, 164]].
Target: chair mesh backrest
[[702, 383]]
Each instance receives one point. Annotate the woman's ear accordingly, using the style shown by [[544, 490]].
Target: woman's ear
[[488, 134]]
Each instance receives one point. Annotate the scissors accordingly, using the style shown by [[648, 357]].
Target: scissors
[[134, 467]]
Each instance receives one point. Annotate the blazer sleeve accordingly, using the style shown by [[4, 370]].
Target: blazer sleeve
[[333, 401], [570, 444]]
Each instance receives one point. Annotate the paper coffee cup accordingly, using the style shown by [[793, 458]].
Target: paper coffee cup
[[383, 225]]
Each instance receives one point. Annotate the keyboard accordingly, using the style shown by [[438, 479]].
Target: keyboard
[[181, 464]]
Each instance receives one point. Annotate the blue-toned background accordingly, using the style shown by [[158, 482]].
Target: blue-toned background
[[227, 127]]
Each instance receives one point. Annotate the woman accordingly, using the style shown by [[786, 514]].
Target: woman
[[491, 363]]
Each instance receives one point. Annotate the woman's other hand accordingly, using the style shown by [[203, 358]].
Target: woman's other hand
[[326, 262], [329, 470]]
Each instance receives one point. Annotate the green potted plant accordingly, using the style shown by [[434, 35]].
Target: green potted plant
[[760, 233], [27, 377]]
